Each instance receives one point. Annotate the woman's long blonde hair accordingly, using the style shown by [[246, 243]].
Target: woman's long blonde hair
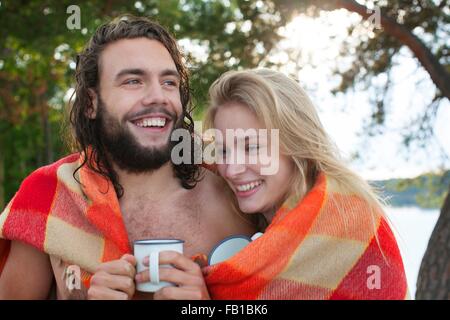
[[280, 103]]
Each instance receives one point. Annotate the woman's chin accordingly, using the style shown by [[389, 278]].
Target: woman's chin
[[249, 209]]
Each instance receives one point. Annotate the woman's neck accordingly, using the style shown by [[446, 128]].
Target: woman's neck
[[269, 214]]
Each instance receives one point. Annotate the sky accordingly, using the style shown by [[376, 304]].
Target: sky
[[317, 42]]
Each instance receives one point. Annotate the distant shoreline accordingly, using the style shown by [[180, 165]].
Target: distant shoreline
[[426, 191]]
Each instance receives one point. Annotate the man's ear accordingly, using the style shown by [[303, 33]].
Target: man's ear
[[91, 112]]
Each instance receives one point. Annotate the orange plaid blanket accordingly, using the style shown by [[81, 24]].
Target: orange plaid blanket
[[312, 252], [316, 251], [79, 223]]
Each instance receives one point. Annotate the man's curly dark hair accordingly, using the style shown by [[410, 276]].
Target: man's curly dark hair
[[85, 134]]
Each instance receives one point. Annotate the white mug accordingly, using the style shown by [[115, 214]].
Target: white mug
[[229, 246], [151, 248]]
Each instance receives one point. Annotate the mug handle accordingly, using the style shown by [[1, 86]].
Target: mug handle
[[154, 267]]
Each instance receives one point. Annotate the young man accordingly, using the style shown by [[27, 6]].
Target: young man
[[87, 209]]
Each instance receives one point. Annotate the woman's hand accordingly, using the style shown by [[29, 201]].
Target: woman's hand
[[186, 274]]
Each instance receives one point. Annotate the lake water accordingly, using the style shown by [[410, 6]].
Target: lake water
[[413, 227]]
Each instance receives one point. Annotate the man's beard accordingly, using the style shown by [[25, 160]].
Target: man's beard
[[124, 149]]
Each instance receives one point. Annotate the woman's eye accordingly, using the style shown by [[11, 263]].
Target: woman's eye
[[221, 152], [252, 148]]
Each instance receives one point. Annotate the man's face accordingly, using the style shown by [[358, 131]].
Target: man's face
[[138, 103]]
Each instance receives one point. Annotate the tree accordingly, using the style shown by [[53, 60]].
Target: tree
[[421, 26], [434, 276]]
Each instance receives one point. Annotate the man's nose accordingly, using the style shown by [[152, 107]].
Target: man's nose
[[154, 94]]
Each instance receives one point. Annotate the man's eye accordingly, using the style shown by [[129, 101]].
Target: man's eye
[[132, 81], [171, 83]]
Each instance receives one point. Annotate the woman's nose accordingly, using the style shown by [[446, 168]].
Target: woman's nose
[[234, 170]]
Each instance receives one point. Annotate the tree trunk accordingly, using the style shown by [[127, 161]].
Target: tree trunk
[[436, 70], [434, 276]]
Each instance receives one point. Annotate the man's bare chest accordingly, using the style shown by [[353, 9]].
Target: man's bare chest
[[164, 219]]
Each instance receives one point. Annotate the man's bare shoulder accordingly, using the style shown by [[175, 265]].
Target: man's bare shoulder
[[213, 187]]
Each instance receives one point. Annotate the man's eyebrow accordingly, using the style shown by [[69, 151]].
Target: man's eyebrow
[[141, 72], [134, 71], [170, 72]]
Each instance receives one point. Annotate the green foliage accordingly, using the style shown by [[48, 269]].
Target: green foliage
[[377, 53]]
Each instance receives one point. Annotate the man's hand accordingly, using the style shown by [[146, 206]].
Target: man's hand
[[114, 280], [186, 274]]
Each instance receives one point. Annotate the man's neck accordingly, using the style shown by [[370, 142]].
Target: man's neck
[[160, 181]]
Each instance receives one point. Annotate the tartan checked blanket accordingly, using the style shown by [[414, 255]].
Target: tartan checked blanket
[[316, 251], [310, 252], [79, 223]]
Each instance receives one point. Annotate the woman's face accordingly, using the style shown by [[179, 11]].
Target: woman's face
[[255, 189]]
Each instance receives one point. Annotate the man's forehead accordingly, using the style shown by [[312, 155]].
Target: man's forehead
[[138, 53]]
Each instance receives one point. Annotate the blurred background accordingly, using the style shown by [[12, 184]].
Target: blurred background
[[378, 72]]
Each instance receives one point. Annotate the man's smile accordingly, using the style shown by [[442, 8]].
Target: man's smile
[[155, 122]]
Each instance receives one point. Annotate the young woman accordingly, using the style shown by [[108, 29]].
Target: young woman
[[327, 236]]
